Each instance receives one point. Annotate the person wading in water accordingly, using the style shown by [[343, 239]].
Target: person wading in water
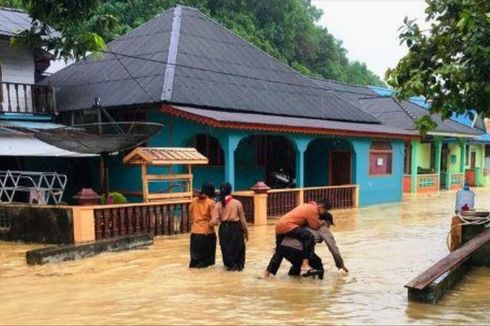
[[233, 231], [294, 223], [292, 250], [203, 238]]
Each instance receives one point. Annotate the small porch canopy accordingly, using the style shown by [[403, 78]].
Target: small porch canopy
[[166, 157], [276, 123], [17, 143]]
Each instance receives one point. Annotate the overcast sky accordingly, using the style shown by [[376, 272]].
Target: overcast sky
[[369, 28]]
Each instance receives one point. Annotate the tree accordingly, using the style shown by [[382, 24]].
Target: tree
[[448, 64], [286, 29], [70, 29]]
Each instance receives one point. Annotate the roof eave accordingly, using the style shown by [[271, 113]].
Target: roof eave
[[451, 134], [287, 129]]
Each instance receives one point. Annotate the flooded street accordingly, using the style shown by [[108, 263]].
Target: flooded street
[[383, 246]]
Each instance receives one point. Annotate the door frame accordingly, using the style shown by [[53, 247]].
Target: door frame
[[330, 166]]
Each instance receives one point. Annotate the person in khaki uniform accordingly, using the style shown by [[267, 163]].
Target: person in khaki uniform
[[292, 250], [294, 223], [203, 237], [233, 231]]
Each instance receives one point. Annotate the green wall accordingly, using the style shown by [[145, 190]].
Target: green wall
[[454, 150]]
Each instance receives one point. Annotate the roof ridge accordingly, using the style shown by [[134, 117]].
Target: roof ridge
[[405, 109], [168, 77]]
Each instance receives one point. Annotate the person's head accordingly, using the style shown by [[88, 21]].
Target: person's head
[[208, 190], [224, 191], [327, 218], [323, 205]]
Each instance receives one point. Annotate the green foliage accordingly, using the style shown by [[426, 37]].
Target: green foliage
[[450, 63], [78, 27], [117, 198], [286, 29]]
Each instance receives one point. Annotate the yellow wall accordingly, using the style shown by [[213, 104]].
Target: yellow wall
[[424, 156]]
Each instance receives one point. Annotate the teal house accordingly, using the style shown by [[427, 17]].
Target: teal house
[[255, 118]]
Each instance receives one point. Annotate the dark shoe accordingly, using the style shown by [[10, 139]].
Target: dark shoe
[[311, 272], [320, 275]]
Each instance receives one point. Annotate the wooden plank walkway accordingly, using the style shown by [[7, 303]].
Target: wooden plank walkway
[[452, 260]]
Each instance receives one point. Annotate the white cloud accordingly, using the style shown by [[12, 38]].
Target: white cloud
[[369, 28]]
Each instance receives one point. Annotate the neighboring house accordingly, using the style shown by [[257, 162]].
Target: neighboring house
[[25, 107], [446, 157], [250, 114], [20, 69]]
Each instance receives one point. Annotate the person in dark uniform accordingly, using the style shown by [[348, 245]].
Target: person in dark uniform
[[291, 249]]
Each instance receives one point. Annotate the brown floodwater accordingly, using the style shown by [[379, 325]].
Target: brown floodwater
[[383, 246]]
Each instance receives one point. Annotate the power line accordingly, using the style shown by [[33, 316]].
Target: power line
[[131, 76], [116, 54]]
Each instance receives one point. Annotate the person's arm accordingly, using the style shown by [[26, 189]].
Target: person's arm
[[243, 220], [327, 236], [215, 215]]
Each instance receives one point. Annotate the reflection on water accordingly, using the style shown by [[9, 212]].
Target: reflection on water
[[384, 247]]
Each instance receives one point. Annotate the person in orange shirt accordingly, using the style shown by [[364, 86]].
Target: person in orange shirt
[[203, 237], [294, 223]]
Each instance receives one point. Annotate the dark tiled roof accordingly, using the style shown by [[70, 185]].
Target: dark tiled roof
[[403, 114], [300, 124], [13, 21], [351, 93], [213, 68], [391, 112]]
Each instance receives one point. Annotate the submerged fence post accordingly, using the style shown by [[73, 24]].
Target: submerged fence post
[[260, 190]]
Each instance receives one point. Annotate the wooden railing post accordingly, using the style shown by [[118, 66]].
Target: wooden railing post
[[83, 224], [355, 196], [300, 196], [260, 190]]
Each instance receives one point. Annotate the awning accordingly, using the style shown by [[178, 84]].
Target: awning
[[28, 146], [262, 122], [17, 139]]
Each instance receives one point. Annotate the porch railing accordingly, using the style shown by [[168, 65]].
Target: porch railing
[[340, 196], [281, 201], [154, 218], [428, 182], [456, 179], [451, 181], [26, 98], [247, 200]]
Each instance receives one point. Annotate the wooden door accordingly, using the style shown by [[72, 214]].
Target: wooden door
[[340, 168], [473, 160]]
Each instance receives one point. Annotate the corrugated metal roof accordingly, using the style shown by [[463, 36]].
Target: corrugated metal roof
[[313, 125], [164, 156], [13, 21], [214, 69]]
